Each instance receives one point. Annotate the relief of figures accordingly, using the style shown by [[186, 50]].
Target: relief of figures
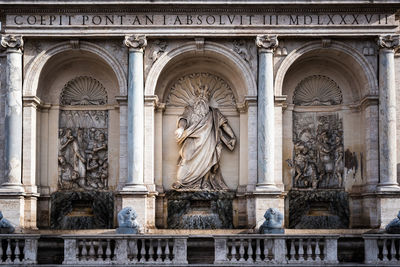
[[318, 151], [83, 151]]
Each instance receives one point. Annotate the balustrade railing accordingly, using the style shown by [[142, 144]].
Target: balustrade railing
[[18, 249], [382, 249], [275, 249], [124, 249]]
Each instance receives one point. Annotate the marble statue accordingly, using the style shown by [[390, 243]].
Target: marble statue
[[5, 226], [127, 223], [201, 131], [273, 222], [394, 226]]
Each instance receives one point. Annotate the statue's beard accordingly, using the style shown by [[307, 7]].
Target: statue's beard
[[201, 109]]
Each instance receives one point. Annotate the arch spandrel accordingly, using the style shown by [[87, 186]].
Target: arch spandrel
[[366, 79], [34, 71], [239, 70]]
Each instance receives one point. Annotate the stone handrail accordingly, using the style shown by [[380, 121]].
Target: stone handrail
[[275, 249], [382, 249], [124, 249], [17, 249]]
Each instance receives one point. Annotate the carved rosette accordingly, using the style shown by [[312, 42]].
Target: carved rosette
[[389, 41], [14, 42], [267, 42], [136, 42]]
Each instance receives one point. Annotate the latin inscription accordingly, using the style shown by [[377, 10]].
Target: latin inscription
[[91, 20]]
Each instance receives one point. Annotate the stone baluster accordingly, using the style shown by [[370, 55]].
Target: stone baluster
[[143, 252], [13, 114], [136, 45], [233, 251], [8, 251], [309, 250], [249, 251], [266, 117], [158, 251], [84, 251], [92, 252], [151, 251], [317, 251], [387, 113], [266, 250], [392, 251], [134, 249], [301, 250], [17, 252], [167, 252], [100, 251], [384, 250], [108, 251], [292, 253], [258, 250], [1, 251], [241, 251]]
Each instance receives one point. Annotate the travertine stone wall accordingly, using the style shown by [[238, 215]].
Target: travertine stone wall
[[3, 90]]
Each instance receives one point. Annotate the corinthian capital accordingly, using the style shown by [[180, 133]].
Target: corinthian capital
[[389, 41], [267, 41], [12, 41], [137, 42]]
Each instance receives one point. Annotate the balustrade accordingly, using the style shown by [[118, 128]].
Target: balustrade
[[382, 249], [116, 249], [18, 249], [275, 249]]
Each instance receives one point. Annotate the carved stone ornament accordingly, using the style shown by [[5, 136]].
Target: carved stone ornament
[[267, 41], [389, 41], [318, 151], [158, 48], [183, 92], [240, 47], [127, 223], [83, 90], [12, 41], [317, 90], [136, 41]]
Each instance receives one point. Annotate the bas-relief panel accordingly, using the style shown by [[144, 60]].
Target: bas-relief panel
[[83, 137]]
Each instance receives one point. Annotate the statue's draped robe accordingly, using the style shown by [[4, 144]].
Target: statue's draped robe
[[201, 151]]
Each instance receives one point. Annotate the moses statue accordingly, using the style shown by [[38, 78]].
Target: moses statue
[[201, 131]]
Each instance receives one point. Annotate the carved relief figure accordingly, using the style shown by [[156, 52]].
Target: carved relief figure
[[201, 131], [318, 151], [83, 151]]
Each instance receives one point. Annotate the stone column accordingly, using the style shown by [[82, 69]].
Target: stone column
[[13, 114], [266, 115], [12, 193], [387, 114], [136, 45]]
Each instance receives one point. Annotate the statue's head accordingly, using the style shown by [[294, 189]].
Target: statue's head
[[126, 217], [273, 217], [202, 91]]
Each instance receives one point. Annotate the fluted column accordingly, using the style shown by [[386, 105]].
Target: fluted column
[[266, 119], [13, 114], [387, 114], [136, 45]]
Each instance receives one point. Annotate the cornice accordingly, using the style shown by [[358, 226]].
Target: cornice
[[159, 8]]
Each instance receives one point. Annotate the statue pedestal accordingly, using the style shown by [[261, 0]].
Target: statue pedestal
[[12, 205], [141, 203], [200, 209], [265, 200]]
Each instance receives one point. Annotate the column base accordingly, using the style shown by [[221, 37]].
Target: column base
[[268, 188], [388, 188], [388, 207], [13, 207], [11, 188], [139, 188]]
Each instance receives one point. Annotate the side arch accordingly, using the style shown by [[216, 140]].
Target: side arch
[[369, 76], [32, 77]]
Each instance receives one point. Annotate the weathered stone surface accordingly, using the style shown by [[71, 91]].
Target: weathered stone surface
[[273, 222], [318, 209], [82, 210], [199, 210], [127, 223]]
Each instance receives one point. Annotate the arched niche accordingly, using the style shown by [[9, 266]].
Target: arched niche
[[348, 118], [56, 74], [238, 167]]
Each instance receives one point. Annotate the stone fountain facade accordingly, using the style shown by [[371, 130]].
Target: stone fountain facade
[[201, 116]]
